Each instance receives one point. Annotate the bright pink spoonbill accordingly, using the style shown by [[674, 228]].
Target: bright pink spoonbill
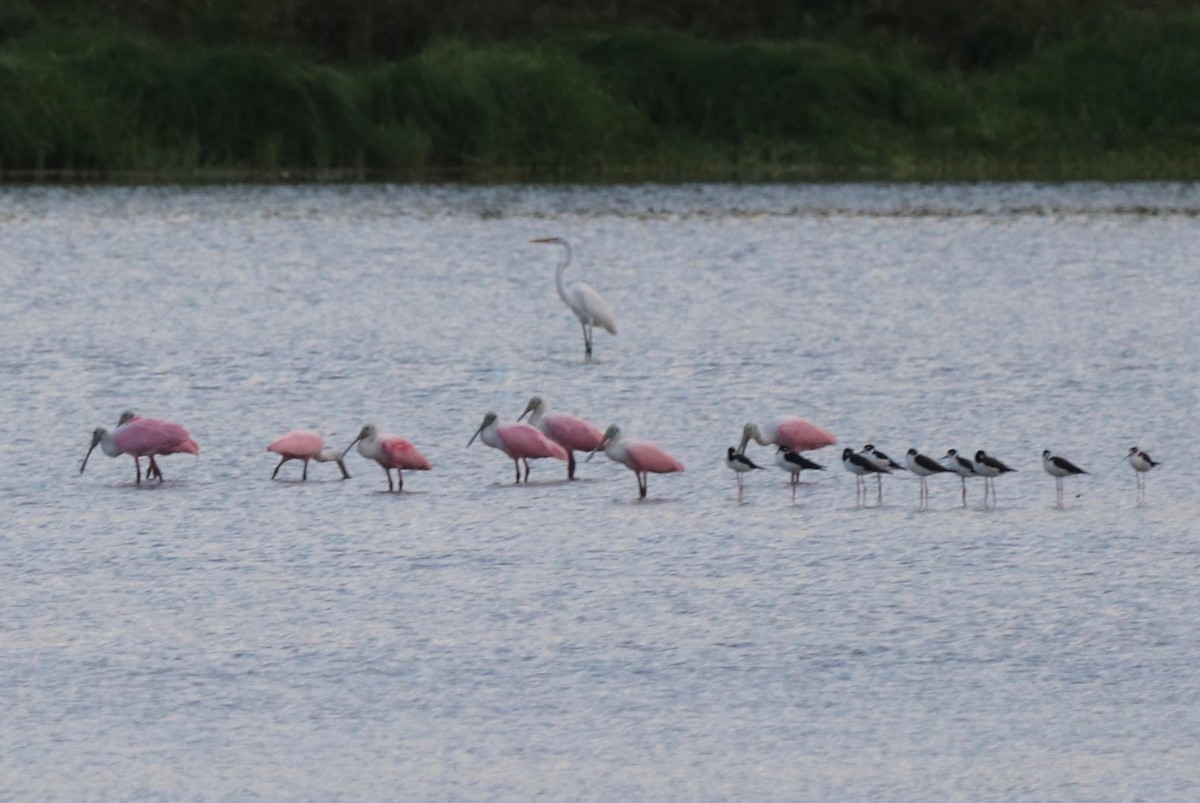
[[142, 437], [520, 442], [799, 434], [301, 444], [153, 470], [389, 451], [571, 433], [639, 457], [589, 306]]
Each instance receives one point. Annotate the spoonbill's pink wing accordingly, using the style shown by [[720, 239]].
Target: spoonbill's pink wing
[[803, 435], [402, 454], [523, 440], [573, 433], [148, 436], [648, 457], [298, 443]]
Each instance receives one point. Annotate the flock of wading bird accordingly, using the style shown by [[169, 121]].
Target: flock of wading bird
[[560, 436]]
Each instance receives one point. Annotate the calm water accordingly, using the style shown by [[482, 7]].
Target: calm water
[[225, 636]]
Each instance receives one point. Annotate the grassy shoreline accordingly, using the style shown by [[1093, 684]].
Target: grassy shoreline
[[1120, 101]]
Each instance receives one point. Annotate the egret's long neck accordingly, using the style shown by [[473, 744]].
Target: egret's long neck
[[562, 265]]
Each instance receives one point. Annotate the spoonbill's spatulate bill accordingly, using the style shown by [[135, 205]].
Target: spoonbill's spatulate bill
[[589, 306], [639, 457], [142, 437], [1059, 467], [798, 434], [521, 442], [390, 452], [301, 444], [571, 433]]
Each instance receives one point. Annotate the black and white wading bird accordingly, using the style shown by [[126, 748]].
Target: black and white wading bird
[[962, 467], [989, 468], [793, 462], [923, 466], [860, 467], [882, 461], [1059, 467], [740, 464], [1141, 463]]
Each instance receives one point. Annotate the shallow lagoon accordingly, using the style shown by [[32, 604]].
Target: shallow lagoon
[[223, 635]]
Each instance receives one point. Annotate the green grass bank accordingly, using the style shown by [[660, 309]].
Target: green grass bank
[[96, 91]]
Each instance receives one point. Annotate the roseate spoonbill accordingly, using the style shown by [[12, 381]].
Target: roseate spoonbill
[[640, 457], [153, 470], [799, 434], [589, 307], [962, 467], [860, 466], [1141, 463], [520, 442], [300, 444], [883, 461], [989, 468], [1059, 467], [793, 463], [142, 437], [923, 466], [571, 433], [389, 451], [740, 465]]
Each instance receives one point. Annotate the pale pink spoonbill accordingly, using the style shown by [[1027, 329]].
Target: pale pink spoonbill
[[639, 457], [798, 434], [521, 442], [589, 307], [301, 444], [389, 451], [571, 433], [142, 437]]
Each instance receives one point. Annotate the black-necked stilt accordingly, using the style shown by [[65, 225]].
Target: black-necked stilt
[[923, 466], [860, 466], [1059, 467], [989, 468], [962, 467], [882, 461], [740, 464], [1141, 463], [793, 462]]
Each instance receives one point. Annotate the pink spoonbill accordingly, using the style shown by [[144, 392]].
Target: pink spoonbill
[[521, 442], [142, 437], [300, 444], [798, 434], [389, 451], [571, 433], [639, 457], [589, 306]]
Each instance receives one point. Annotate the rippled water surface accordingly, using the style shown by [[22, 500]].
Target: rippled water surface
[[225, 636]]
